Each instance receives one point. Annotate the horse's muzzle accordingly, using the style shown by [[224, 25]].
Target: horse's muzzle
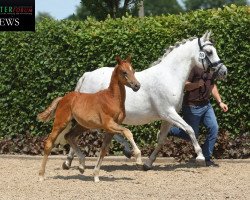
[[222, 73]]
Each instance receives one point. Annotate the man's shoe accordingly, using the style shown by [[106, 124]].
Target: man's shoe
[[210, 163]]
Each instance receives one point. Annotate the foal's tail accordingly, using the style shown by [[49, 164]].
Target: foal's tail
[[48, 114]]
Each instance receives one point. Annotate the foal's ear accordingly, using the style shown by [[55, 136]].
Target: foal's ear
[[129, 58], [118, 60]]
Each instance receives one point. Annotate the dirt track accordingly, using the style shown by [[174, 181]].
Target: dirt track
[[121, 180]]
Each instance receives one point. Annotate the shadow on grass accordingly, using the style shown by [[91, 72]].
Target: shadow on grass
[[91, 178], [134, 167]]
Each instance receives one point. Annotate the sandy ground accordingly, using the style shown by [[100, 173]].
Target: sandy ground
[[122, 180]]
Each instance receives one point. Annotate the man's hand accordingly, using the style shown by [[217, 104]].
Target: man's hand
[[223, 107], [200, 83], [192, 86]]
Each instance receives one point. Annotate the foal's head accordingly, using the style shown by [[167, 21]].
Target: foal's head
[[126, 73]]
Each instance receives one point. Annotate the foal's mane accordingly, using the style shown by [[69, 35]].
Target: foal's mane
[[169, 49]]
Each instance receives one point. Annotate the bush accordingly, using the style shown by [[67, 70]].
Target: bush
[[37, 67]]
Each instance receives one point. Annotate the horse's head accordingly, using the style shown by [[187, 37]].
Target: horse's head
[[208, 57], [126, 73]]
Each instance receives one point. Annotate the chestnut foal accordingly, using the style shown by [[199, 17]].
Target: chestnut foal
[[102, 110]]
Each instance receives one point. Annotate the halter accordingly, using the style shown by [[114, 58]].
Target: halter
[[203, 56]]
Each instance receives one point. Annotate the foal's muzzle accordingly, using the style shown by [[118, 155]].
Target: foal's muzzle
[[135, 86]]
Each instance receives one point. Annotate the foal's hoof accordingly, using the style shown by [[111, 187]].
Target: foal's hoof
[[146, 167], [41, 178], [96, 179], [65, 166], [81, 169]]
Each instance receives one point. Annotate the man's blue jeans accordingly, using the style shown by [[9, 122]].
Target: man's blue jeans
[[195, 116]]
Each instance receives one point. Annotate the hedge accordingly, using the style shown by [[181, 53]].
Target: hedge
[[37, 67]]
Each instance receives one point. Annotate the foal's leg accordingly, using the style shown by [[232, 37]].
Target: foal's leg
[[116, 128], [165, 126], [58, 127], [105, 146], [71, 139]]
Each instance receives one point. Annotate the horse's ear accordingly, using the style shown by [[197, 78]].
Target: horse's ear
[[118, 59], [204, 37], [129, 58], [209, 34]]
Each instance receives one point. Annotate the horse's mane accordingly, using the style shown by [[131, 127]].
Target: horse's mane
[[169, 49]]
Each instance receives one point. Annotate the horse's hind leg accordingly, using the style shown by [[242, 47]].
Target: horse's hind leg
[[71, 139], [67, 164], [105, 146], [165, 126]]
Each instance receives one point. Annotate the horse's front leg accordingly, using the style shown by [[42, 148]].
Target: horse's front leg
[[105, 146], [176, 120], [165, 126]]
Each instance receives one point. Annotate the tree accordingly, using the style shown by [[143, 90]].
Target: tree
[[197, 4], [41, 15], [81, 13], [158, 7], [100, 9]]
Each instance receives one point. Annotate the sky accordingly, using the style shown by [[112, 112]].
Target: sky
[[61, 9], [58, 9]]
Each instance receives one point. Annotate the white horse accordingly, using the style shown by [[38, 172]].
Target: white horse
[[162, 86]]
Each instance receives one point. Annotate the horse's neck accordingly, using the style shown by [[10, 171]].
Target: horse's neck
[[117, 90], [179, 62]]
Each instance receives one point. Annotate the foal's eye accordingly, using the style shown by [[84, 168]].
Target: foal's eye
[[124, 73]]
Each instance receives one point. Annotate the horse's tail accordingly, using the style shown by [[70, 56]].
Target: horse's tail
[[80, 82], [48, 114]]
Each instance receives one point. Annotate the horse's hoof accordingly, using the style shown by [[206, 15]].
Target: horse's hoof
[[200, 162], [146, 167], [139, 166], [65, 166], [127, 153], [81, 169]]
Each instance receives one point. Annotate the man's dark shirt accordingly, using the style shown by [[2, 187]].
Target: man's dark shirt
[[202, 94]]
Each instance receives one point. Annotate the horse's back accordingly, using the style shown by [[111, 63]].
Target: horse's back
[[141, 107], [95, 81]]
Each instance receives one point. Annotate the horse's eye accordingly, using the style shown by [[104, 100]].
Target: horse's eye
[[209, 53]]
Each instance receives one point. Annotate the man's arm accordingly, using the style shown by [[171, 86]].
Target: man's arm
[[189, 86], [216, 95]]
